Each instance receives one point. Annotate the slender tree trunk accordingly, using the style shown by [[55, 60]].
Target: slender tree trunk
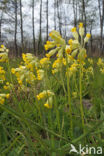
[[15, 35], [59, 18], [54, 14], [74, 13], [21, 18], [1, 17], [84, 15], [102, 25], [40, 29], [0, 30], [91, 36], [47, 21], [65, 24], [101, 15], [33, 26]]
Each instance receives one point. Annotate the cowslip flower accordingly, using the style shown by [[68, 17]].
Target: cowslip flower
[[100, 62], [73, 29], [3, 54], [2, 74], [90, 60], [81, 30], [74, 32], [44, 61], [86, 39], [68, 49], [80, 25], [40, 74], [49, 102], [44, 94], [3, 97], [88, 35]]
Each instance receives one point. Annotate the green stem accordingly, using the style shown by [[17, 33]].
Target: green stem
[[62, 81], [69, 99], [8, 65], [81, 105]]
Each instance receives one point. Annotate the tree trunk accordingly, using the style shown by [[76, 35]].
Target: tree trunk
[[91, 37], [47, 21], [21, 18], [59, 18], [33, 26], [84, 15], [15, 35], [74, 13], [101, 15], [54, 14], [0, 30], [40, 29]]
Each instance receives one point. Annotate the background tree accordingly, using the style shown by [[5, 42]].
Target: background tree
[[21, 26], [33, 26]]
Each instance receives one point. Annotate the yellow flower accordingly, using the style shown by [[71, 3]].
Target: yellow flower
[[68, 50], [100, 62], [58, 45], [2, 101], [40, 74], [13, 70], [70, 42], [24, 57], [20, 82], [73, 29], [88, 35], [90, 60], [46, 47], [102, 70], [48, 55], [80, 25], [7, 96], [44, 61], [44, 94], [48, 42], [57, 63], [74, 94], [47, 106], [2, 46], [7, 83], [5, 87], [50, 34]]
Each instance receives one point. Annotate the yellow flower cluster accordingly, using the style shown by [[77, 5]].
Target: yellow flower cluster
[[57, 65], [74, 49], [46, 94], [40, 74], [90, 60], [23, 74], [31, 62], [3, 54], [58, 43], [2, 74], [100, 63], [7, 86], [45, 62], [31, 70], [3, 58], [72, 69], [2, 98], [49, 45]]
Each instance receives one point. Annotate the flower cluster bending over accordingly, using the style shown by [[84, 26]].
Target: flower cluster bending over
[[3, 58], [70, 58]]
